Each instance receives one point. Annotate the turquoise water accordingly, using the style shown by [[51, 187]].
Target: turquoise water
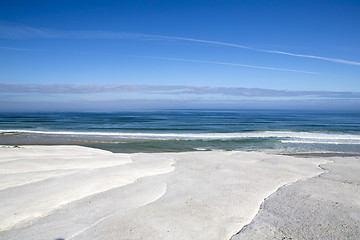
[[196, 130]]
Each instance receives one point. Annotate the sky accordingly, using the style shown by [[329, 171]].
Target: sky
[[106, 56]]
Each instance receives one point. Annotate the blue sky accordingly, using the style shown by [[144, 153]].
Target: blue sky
[[122, 55]]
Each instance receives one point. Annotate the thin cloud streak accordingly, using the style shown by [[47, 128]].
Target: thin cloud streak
[[315, 57], [233, 64], [17, 49], [45, 33], [336, 60], [11, 88], [10, 31]]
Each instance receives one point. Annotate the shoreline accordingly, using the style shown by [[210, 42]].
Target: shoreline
[[109, 148], [327, 155], [159, 195]]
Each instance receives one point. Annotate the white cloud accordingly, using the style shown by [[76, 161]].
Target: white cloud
[[8, 88]]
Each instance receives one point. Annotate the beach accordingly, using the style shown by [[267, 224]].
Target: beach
[[73, 192], [179, 120]]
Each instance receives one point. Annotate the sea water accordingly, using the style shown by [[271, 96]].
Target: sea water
[[286, 132]]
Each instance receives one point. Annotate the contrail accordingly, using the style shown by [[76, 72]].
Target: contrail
[[199, 40], [10, 31], [336, 60], [232, 64]]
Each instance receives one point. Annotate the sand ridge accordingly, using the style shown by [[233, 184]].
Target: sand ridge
[[41, 191], [192, 195]]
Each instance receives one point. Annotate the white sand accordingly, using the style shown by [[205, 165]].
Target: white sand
[[71, 192], [322, 207]]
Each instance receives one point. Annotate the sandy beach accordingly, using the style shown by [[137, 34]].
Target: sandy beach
[[73, 192]]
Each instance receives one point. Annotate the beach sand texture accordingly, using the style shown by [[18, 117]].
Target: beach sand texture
[[322, 207], [73, 192]]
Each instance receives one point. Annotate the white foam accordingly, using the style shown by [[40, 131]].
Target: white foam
[[305, 136], [202, 149], [321, 142]]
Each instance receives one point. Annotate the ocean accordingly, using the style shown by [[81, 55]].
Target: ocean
[[279, 132]]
